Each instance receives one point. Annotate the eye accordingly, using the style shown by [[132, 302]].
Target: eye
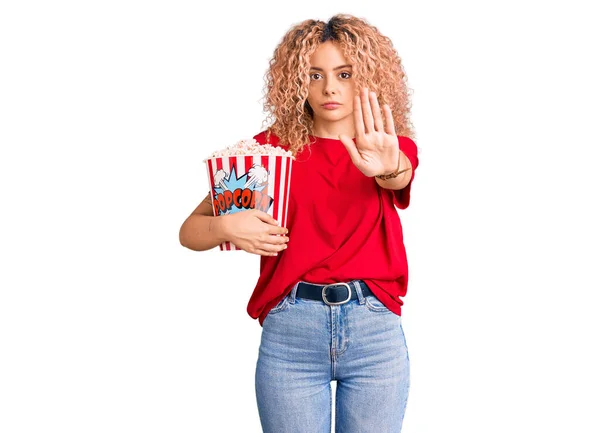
[[345, 75]]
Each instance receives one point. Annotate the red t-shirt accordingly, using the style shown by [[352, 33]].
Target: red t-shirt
[[342, 226]]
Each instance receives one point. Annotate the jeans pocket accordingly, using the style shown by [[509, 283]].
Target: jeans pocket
[[281, 305], [375, 305]]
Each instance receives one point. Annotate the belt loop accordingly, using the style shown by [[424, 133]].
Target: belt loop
[[292, 299], [359, 293]]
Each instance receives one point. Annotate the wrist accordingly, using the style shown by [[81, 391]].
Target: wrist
[[396, 172], [219, 228]]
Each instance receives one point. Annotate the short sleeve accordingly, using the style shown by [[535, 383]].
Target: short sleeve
[[409, 148], [261, 138]]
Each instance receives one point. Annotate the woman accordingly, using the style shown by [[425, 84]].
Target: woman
[[328, 294]]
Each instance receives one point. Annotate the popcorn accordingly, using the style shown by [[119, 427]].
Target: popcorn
[[251, 147]]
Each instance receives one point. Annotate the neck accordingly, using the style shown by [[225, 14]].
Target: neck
[[333, 129]]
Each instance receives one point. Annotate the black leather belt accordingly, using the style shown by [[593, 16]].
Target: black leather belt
[[331, 294]]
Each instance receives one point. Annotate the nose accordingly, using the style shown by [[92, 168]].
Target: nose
[[329, 87]]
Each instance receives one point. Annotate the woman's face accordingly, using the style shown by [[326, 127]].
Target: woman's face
[[331, 80]]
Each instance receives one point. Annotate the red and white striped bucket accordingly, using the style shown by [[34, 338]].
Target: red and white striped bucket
[[244, 182]]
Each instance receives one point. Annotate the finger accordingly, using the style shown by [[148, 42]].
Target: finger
[[277, 240], [272, 248], [366, 110], [276, 230], [389, 120], [264, 252], [274, 238], [359, 125], [265, 217], [376, 112]]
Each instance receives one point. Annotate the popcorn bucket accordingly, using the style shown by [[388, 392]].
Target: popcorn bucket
[[245, 182]]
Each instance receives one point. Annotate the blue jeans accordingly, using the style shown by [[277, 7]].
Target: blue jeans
[[305, 344]]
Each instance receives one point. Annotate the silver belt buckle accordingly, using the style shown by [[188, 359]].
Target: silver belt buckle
[[336, 303]]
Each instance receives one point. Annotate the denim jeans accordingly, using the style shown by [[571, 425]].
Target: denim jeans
[[305, 344]]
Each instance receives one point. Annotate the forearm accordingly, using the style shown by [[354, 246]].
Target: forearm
[[202, 232], [402, 180]]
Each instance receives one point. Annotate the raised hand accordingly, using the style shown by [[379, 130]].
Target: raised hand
[[376, 149]]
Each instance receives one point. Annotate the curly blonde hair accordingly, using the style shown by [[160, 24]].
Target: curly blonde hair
[[376, 65]]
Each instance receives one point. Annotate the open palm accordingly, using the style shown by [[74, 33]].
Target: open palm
[[376, 149]]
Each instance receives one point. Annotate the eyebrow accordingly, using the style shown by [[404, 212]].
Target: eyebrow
[[335, 69]]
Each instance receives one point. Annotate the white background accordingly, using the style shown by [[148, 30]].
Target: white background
[[107, 109]]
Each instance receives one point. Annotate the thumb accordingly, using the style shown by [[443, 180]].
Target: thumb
[[351, 148]]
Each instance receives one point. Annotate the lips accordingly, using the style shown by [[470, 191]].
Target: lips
[[332, 105]]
